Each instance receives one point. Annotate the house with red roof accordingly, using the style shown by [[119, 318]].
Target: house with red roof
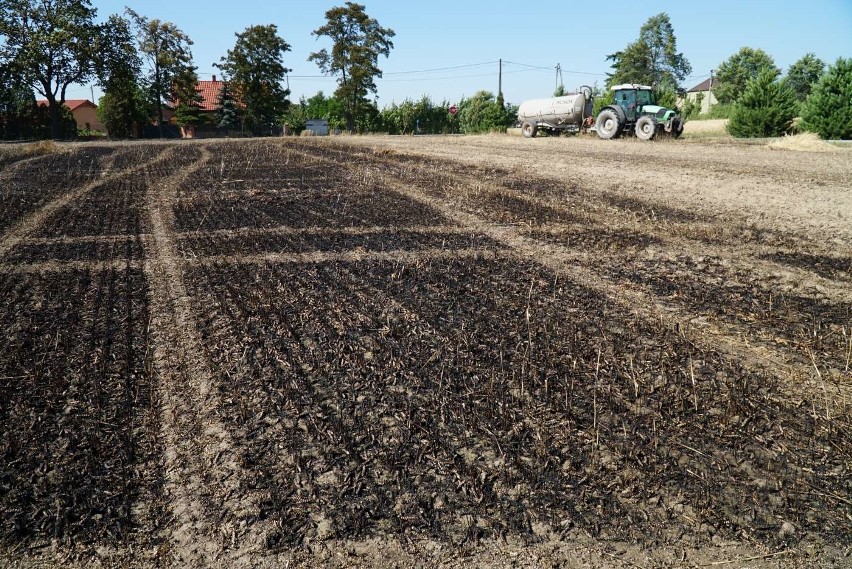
[[210, 91], [85, 113]]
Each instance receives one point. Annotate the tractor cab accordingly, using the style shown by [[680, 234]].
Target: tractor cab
[[633, 99]]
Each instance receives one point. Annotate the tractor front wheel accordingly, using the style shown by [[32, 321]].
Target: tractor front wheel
[[645, 128], [608, 125]]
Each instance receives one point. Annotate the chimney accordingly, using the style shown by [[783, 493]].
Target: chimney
[[214, 78]]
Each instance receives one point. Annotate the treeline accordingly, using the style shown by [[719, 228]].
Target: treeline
[[483, 112]]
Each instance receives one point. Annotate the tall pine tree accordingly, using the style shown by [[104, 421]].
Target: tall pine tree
[[227, 113], [828, 109], [765, 109]]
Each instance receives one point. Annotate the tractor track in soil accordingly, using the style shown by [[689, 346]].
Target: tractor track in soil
[[641, 300], [201, 459], [299, 334]]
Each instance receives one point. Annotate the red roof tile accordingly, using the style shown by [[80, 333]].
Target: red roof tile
[[72, 104], [209, 91]]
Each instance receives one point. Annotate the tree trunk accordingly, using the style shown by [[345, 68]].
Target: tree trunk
[[55, 120], [159, 99]]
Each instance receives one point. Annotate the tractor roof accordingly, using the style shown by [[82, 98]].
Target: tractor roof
[[631, 86]]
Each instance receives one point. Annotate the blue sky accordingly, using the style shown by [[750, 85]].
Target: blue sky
[[531, 37]]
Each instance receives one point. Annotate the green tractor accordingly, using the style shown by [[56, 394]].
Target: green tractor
[[635, 107]]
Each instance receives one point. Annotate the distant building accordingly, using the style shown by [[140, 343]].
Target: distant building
[[210, 92], [705, 88], [85, 113]]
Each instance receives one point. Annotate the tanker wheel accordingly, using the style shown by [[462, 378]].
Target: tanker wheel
[[645, 128], [607, 125], [529, 129]]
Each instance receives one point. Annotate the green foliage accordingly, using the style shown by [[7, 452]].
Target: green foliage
[[227, 115], [690, 109], [735, 72], [120, 110], [766, 108], [317, 107], [419, 117], [17, 106], [256, 72], [358, 41], [803, 75], [51, 45], [828, 109], [483, 113], [166, 51], [719, 111], [666, 95], [601, 100], [118, 69], [560, 91], [652, 59]]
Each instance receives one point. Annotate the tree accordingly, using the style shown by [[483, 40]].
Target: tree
[[227, 111], [484, 113], [17, 106], [358, 42], [118, 68], [735, 72], [167, 51], [255, 70], [51, 45], [766, 108], [120, 111], [185, 94], [803, 75], [652, 59], [828, 109]]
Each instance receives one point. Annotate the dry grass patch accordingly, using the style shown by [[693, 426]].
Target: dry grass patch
[[804, 142]]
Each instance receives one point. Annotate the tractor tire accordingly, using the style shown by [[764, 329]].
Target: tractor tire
[[608, 126], [529, 129], [677, 128], [645, 128]]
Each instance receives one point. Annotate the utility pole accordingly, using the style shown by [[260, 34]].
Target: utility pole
[[710, 92], [500, 84]]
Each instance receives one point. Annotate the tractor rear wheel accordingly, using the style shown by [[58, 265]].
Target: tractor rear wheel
[[529, 129], [608, 126], [645, 128]]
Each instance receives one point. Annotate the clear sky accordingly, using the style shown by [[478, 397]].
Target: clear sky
[[531, 37]]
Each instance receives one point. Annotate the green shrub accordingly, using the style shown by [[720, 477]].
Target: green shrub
[[766, 108], [828, 109]]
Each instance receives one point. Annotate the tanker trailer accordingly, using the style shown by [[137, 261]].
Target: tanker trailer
[[568, 113]]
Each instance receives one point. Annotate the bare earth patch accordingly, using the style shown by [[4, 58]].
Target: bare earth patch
[[426, 351]]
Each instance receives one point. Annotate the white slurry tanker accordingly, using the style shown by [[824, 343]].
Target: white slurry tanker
[[633, 107]]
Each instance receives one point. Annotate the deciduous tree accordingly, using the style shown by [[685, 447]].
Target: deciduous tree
[[166, 50], [358, 40], [803, 75], [256, 73], [118, 68], [652, 59], [734, 73], [51, 45]]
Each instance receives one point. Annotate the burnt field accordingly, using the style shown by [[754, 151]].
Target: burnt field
[[366, 353]]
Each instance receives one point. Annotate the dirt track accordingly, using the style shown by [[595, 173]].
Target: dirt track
[[390, 351]]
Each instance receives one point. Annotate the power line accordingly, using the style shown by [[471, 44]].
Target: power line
[[442, 68]]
